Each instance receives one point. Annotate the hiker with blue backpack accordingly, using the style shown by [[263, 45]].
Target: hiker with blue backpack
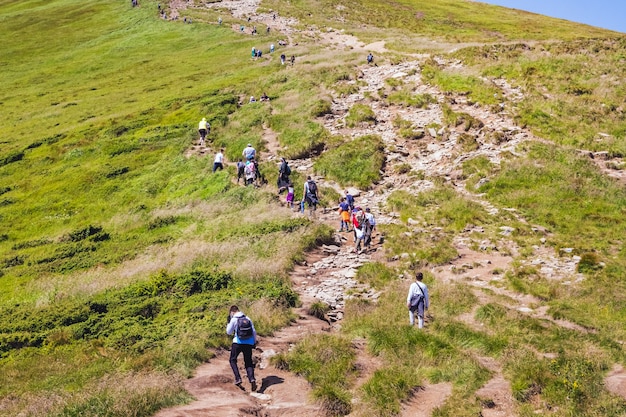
[[417, 300], [243, 341]]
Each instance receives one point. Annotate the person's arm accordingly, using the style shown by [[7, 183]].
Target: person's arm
[[408, 297], [426, 299], [230, 328]]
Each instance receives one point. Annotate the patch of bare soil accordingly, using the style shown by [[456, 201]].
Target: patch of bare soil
[[426, 399], [615, 381]]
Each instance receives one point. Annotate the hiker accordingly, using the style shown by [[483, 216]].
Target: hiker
[[268, 30], [203, 128], [241, 28], [350, 200], [282, 59], [283, 175], [370, 225], [219, 161], [259, 53], [310, 194], [417, 300], [370, 58], [293, 59], [240, 168], [253, 53], [252, 99], [274, 16], [249, 152], [250, 172], [290, 194], [265, 97], [344, 213], [243, 341], [354, 220], [359, 223], [271, 48], [254, 30], [219, 20]]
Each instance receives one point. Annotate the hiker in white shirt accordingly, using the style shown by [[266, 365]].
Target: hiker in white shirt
[[417, 300]]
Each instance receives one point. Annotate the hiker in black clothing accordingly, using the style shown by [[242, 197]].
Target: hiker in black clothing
[[370, 58], [283, 176]]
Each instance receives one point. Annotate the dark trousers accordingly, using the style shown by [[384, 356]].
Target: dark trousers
[[235, 350]]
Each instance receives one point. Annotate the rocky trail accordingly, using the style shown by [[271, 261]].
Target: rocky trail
[[328, 274]]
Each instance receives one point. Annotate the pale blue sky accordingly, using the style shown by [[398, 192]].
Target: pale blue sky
[[608, 14]]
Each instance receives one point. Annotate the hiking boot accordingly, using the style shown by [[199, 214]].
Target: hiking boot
[[238, 384], [253, 386]]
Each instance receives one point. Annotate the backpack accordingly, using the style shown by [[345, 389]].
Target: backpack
[[312, 187], [244, 328], [249, 169], [361, 220], [287, 170], [417, 298]]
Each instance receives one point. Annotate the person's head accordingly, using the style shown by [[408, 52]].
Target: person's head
[[419, 276], [204, 119], [308, 178], [222, 150], [234, 309], [367, 209], [249, 145], [342, 199], [346, 192]]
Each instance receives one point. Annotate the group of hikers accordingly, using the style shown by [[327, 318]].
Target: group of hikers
[[362, 222]]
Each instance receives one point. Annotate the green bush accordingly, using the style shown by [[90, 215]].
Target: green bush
[[321, 108], [357, 162], [360, 113], [319, 310]]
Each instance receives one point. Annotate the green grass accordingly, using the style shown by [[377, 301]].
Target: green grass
[[327, 362], [357, 162], [452, 20], [572, 89], [360, 114]]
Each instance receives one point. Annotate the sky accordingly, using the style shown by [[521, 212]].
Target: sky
[[607, 14]]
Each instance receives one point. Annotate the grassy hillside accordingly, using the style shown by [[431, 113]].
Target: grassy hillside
[[119, 255]]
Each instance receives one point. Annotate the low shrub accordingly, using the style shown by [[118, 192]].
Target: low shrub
[[360, 113], [357, 162], [319, 310]]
